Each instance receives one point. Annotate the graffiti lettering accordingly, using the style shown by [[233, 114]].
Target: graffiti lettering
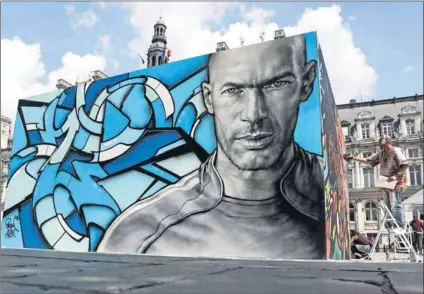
[[336, 194], [11, 227]]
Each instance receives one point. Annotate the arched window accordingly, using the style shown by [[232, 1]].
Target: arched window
[[153, 60], [351, 212], [371, 211]]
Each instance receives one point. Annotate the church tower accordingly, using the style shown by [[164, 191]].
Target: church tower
[[158, 52]]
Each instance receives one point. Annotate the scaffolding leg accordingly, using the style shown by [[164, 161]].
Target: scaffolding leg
[[378, 235], [394, 248], [398, 237]]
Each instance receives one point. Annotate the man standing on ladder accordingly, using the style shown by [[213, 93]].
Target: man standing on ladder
[[393, 165]]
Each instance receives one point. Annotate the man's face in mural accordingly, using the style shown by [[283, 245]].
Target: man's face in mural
[[254, 94]]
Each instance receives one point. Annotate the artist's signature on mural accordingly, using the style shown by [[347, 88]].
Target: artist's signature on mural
[[11, 227]]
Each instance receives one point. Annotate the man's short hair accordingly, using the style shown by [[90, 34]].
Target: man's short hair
[[385, 140], [297, 43]]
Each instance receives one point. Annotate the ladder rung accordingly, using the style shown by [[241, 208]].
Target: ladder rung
[[390, 223]]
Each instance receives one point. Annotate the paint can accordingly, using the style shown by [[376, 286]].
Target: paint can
[[412, 256], [387, 255]]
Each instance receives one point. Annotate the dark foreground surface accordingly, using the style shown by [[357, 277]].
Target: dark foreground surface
[[32, 271]]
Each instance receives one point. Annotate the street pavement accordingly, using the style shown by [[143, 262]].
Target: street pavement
[[399, 257], [40, 271]]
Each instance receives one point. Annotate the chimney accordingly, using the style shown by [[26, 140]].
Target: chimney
[[221, 46], [98, 75], [62, 84], [278, 34]]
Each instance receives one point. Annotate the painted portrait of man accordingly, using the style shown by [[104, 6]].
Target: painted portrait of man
[[259, 194]]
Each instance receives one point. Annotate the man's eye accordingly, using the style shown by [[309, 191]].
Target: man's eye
[[276, 84], [280, 83], [232, 91]]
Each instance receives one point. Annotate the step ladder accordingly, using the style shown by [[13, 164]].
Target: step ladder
[[400, 235]]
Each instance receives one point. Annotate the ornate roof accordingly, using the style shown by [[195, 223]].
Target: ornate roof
[[160, 22]]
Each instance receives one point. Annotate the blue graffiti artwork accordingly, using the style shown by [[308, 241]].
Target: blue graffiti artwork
[[81, 156]]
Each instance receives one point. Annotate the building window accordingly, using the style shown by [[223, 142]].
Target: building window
[[368, 177], [365, 131], [366, 154], [346, 132], [415, 175], [386, 129], [350, 178], [413, 153], [351, 212], [410, 126], [371, 212]]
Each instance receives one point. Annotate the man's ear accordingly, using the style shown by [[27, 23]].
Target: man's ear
[[308, 79], [207, 96]]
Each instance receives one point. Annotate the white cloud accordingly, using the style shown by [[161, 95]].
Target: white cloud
[[257, 14], [103, 42], [23, 72], [350, 74], [408, 69], [70, 9], [189, 34], [115, 64], [86, 19], [352, 18], [76, 68], [105, 47]]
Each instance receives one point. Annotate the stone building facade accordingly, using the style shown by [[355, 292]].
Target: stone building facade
[[6, 132], [363, 123], [6, 144]]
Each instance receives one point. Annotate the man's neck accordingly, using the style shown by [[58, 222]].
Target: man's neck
[[253, 185]]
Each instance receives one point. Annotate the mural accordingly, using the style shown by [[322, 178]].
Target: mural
[[217, 155], [335, 173]]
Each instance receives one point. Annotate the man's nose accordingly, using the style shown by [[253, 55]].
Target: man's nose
[[255, 108]]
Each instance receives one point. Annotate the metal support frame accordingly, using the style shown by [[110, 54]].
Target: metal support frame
[[399, 236]]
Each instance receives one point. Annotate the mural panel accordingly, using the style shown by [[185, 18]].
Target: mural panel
[[217, 155], [335, 173]]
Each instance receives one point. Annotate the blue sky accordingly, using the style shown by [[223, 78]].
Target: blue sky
[[389, 36]]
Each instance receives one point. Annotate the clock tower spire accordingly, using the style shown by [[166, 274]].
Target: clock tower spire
[[158, 52]]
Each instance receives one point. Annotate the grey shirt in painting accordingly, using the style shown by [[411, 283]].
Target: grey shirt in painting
[[238, 228], [194, 218]]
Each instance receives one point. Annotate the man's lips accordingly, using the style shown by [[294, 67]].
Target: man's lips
[[256, 140]]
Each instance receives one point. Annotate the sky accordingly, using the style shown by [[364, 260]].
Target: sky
[[372, 50]]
